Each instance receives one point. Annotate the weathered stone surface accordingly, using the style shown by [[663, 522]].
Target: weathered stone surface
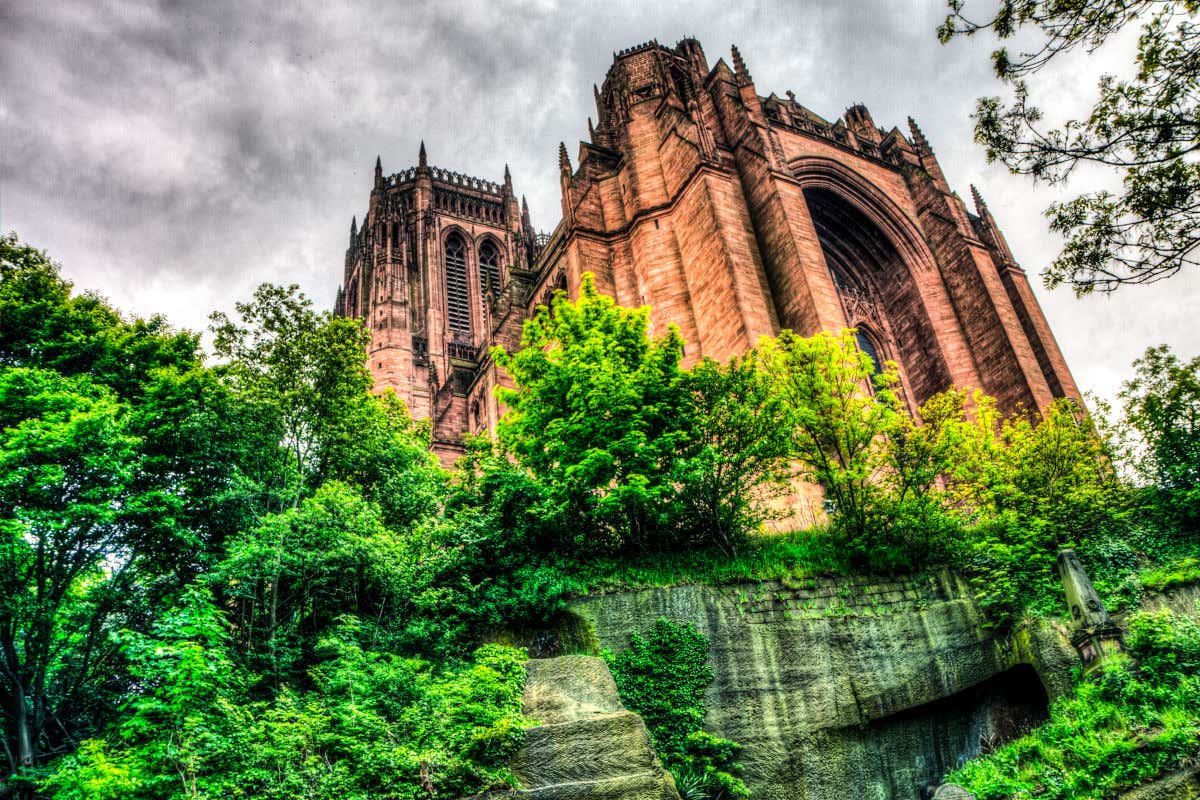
[[569, 688], [589, 746], [851, 687], [1183, 785]]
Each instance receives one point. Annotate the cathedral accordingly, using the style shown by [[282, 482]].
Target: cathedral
[[731, 214]]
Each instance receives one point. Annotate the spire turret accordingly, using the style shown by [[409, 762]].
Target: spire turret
[[739, 68], [920, 143], [353, 229], [378, 172], [981, 208], [422, 161], [508, 189]]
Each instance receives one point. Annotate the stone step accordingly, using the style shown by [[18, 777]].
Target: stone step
[[597, 748]]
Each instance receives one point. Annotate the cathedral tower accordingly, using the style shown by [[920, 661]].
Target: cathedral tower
[[734, 215], [426, 273]]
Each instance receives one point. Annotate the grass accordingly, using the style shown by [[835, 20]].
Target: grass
[[1180, 572], [796, 556]]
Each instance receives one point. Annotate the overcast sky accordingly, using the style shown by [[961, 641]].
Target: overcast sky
[[173, 155]]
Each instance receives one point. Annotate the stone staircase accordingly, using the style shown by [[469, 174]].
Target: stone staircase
[[588, 746]]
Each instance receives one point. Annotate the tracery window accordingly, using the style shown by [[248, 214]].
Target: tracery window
[[489, 270], [458, 306]]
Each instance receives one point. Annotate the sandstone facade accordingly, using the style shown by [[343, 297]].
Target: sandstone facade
[[732, 215]]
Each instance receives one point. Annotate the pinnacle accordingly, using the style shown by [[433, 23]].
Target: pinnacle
[[378, 164], [918, 137], [980, 207], [564, 161], [739, 66], [421, 160]]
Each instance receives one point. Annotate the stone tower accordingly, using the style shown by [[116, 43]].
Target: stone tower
[[426, 272], [732, 215]]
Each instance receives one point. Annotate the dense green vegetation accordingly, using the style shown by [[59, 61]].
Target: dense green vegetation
[[250, 577], [1132, 722], [662, 676]]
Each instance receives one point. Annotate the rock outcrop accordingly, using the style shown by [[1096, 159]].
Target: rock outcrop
[[862, 688], [588, 747]]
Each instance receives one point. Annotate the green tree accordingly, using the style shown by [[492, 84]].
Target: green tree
[[306, 368], [1031, 485], [1144, 128], [1162, 408], [596, 417], [737, 459], [291, 577], [839, 427], [43, 325], [66, 465]]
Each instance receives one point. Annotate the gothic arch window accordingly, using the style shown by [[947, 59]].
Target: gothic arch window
[[458, 306], [867, 345], [489, 269]]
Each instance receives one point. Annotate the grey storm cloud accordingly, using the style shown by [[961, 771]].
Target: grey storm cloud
[[174, 154]]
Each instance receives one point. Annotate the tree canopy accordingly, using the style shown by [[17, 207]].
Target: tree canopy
[[1143, 128]]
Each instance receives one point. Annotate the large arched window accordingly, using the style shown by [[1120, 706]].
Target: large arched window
[[489, 270], [458, 306]]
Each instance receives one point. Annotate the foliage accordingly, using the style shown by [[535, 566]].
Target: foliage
[[737, 457], [1144, 128], [292, 576], [790, 556], [1035, 485], [376, 725], [850, 434], [1127, 725], [304, 368], [1162, 415], [838, 427], [595, 418], [65, 473], [662, 677]]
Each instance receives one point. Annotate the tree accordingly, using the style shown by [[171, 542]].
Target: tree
[[1030, 485], [1145, 128], [66, 465], [290, 577], [596, 416], [737, 458], [839, 428], [43, 325], [308, 369], [1162, 408]]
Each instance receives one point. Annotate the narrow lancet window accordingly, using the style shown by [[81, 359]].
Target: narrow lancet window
[[458, 306], [489, 270]]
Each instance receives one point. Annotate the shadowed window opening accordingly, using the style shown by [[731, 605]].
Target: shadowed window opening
[[458, 307], [489, 270]]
